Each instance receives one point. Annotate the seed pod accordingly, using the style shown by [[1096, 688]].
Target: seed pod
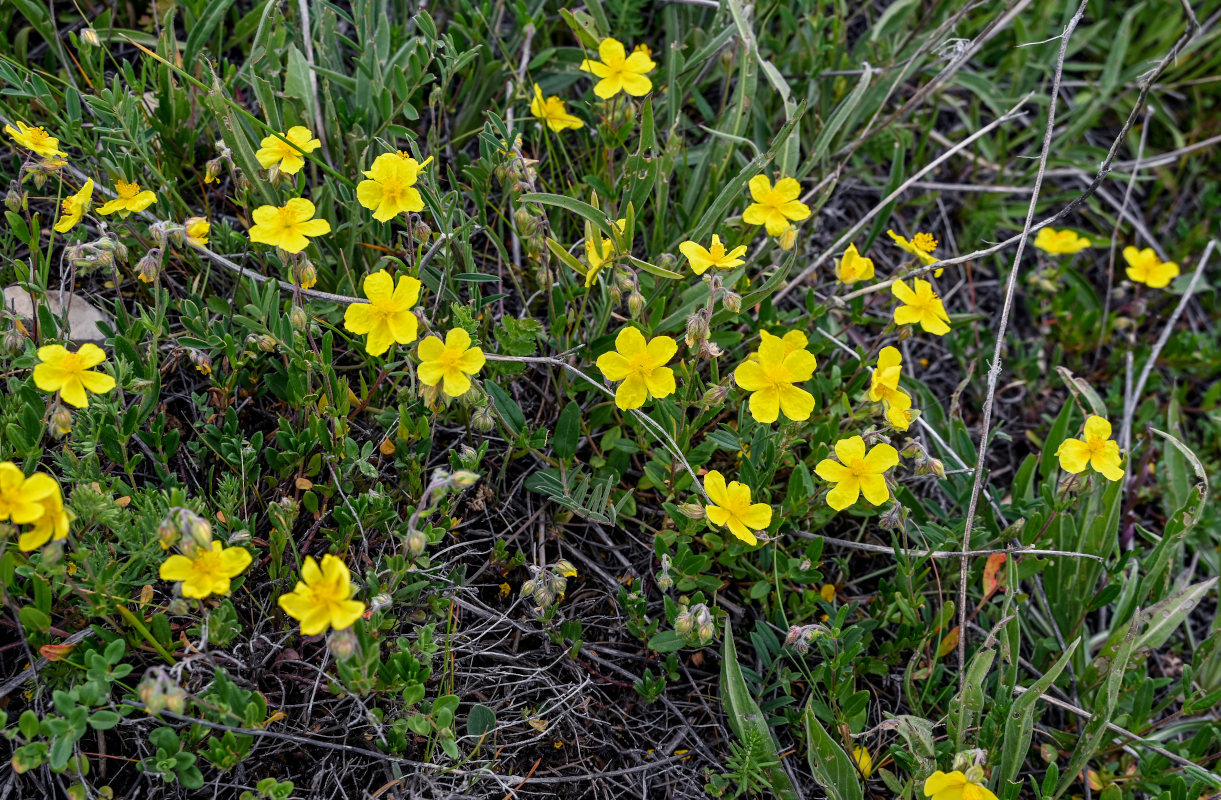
[[692, 510]]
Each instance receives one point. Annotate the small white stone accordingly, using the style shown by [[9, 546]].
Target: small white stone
[[83, 316]]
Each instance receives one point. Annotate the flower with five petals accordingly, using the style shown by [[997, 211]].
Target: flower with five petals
[[275, 152], [129, 198], [770, 379], [620, 72], [390, 188], [641, 366], [731, 508], [450, 363], [72, 374], [75, 206], [208, 572], [1097, 450], [1145, 267], [387, 317], [288, 226], [322, 598], [714, 256], [920, 305], [775, 205], [1063, 242], [857, 472]]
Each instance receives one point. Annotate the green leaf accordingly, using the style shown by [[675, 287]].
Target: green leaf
[[1019, 727], [584, 210], [567, 431], [480, 721], [744, 714], [34, 619], [509, 410], [833, 768]]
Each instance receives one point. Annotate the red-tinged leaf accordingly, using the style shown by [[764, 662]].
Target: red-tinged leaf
[[994, 579], [948, 643], [56, 652]]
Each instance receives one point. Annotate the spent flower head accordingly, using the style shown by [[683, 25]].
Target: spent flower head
[[552, 113], [921, 246]]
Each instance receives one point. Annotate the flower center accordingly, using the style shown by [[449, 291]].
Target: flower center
[[208, 564], [924, 242]]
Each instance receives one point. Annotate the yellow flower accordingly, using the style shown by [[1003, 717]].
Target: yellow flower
[[321, 599], [620, 72], [53, 524], [598, 254], [920, 306], [770, 381], [275, 151], [451, 363], [1145, 267], [864, 761], [390, 190], [552, 112], [898, 407], [1098, 450], [387, 317], [75, 206], [22, 498], [731, 507], [857, 472], [36, 140], [287, 226], [853, 267], [641, 367], [921, 246], [714, 256], [196, 230], [209, 572], [793, 340], [955, 786], [775, 206], [827, 592], [1060, 242], [886, 375], [129, 199], [70, 374]]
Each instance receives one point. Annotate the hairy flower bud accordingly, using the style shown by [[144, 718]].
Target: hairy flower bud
[[298, 318], [149, 267], [343, 644], [692, 510], [464, 478], [89, 38], [416, 542], [706, 632], [788, 239], [697, 329], [715, 396], [732, 301], [892, 518], [635, 304], [14, 200], [61, 423], [683, 624], [305, 275]]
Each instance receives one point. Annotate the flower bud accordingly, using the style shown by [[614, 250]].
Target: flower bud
[[176, 699], [564, 567], [732, 301], [544, 598], [528, 588], [892, 518], [697, 329], [464, 478], [706, 632], [202, 361], [343, 644], [305, 275], [975, 774], [483, 419], [527, 223], [788, 239], [635, 304], [13, 341], [298, 318], [89, 38], [149, 267], [416, 542], [665, 581], [710, 350], [265, 342], [912, 449], [211, 170], [61, 423], [168, 534], [150, 694], [683, 624], [616, 294], [692, 510], [930, 466], [14, 200], [668, 261], [715, 396]]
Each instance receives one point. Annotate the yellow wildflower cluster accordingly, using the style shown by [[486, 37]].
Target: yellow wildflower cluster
[[36, 502]]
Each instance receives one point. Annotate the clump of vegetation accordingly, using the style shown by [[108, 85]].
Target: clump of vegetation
[[694, 399]]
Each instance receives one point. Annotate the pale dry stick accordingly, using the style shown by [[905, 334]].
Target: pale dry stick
[[994, 370], [1127, 198], [1133, 400], [308, 39], [648, 421], [1190, 766], [1108, 163], [847, 235], [1165, 159], [945, 554]]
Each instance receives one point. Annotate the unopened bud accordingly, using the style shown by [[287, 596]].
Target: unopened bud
[[416, 542], [665, 581], [635, 304], [527, 223], [564, 567], [168, 534], [149, 267], [202, 361], [298, 318], [788, 239], [706, 632], [13, 341], [305, 275], [483, 419], [616, 294], [61, 423], [265, 342], [697, 329], [528, 588], [683, 624], [343, 644], [714, 396], [692, 510], [90, 38], [14, 200], [176, 699], [464, 478], [930, 466], [732, 301], [892, 518]]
